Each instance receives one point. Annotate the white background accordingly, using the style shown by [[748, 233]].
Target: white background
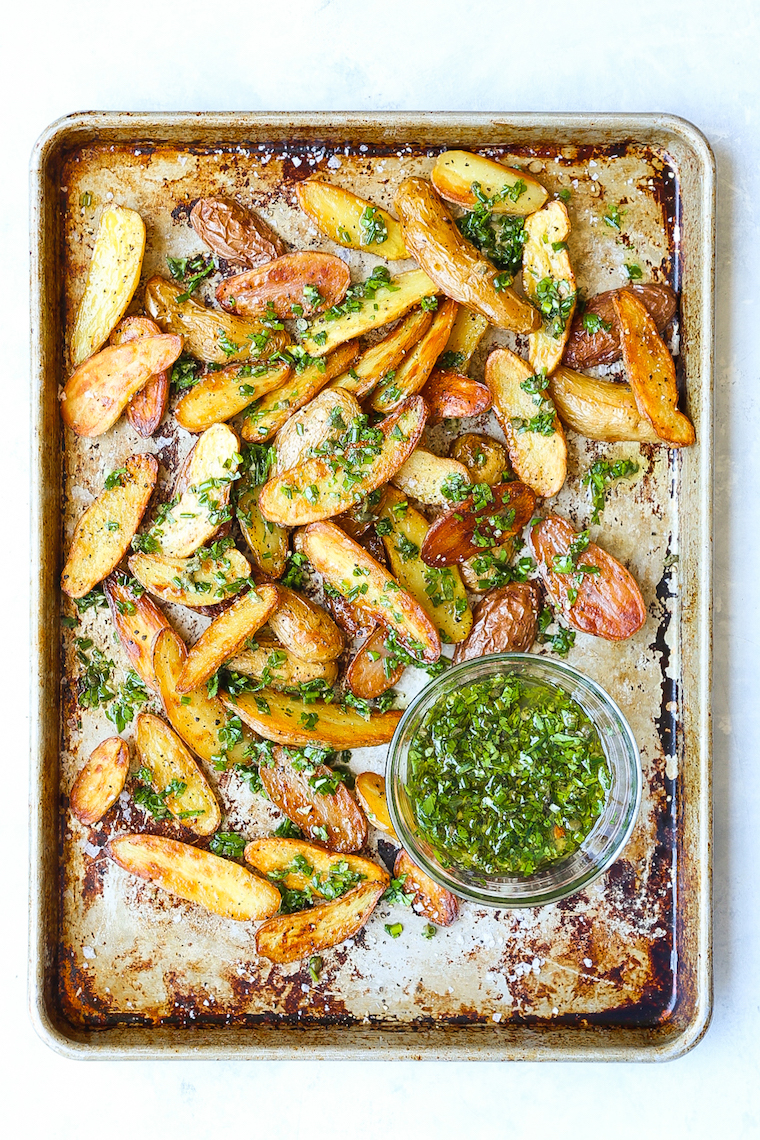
[[694, 58]]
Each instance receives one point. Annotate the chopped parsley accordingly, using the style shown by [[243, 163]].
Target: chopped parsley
[[500, 237], [191, 271], [115, 479], [228, 843], [93, 682], [373, 227], [634, 272], [555, 301], [132, 694], [592, 323], [602, 473]]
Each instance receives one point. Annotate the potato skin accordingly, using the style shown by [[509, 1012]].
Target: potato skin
[[432, 901], [506, 621], [449, 394], [137, 630], [366, 676], [452, 536], [599, 409], [290, 937], [281, 283], [147, 407], [234, 232], [100, 782], [484, 457], [584, 350], [305, 628], [309, 809]]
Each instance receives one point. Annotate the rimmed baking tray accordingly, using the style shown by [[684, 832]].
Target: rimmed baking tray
[[621, 972]]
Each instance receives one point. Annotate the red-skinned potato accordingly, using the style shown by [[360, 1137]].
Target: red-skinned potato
[[506, 621], [450, 395], [100, 783], [432, 901], [138, 622], [235, 233], [471, 528], [147, 407], [603, 346], [375, 668], [309, 281]]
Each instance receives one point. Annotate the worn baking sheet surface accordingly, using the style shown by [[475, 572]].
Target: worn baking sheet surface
[[129, 955]]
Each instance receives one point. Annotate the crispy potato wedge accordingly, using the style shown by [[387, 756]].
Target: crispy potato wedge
[[298, 723], [137, 623], [468, 330], [599, 409], [267, 542], [386, 355], [319, 488], [375, 668], [192, 582], [440, 592], [100, 389], [226, 635], [484, 457], [161, 751], [432, 901], [288, 285], [107, 527], [210, 334], [608, 603], [320, 420], [539, 460], [235, 233], [219, 885], [651, 371], [147, 407], [348, 568], [221, 395], [274, 410], [305, 628], [471, 529], [354, 622], [370, 792], [208, 475], [277, 855], [483, 572], [427, 477], [112, 278], [101, 781], [450, 395], [413, 372], [196, 717], [384, 306], [455, 171], [280, 667], [456, 267], [290, 937], [549, 282], [351, 221], [506, 621], [585, 349]]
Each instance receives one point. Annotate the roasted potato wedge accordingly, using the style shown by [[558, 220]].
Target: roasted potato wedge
[[275, 409], [355, 574], [100, 389], [305, 628], [354, 622], [651, 371], [549, 282], [484, 457], [161, 751], [468, 330], [351, 221], [275, 855], [285, 719], [101, 781], [137, 623], [210, 334], [267, 542], [455, 265], [472, 528], [280, 667], [513, 191], [449, 395], [147, 407], [235, 233], [385, 356], [112, 278], [519, 400], [385, 305], [320, 488], [586, 349], [432, 901], [375, 668], [290, 937], [192, 582], [219, 885], [440, 592], [413, 372], [196, 717], [483, 572], [320, 420], [428, 478], [221, 395], [506, 621], [107, 527], [599, 409], [296, 285], [370, 792], [226, 635], [608, 603]]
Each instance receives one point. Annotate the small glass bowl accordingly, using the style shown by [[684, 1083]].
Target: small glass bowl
[[611, 831]]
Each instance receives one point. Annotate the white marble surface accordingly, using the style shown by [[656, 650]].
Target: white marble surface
[[690, 57]]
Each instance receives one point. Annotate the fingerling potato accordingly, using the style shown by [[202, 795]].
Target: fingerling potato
[[586, 348], [468, 330], [599, 409], [194, 582], [484, 457], [432, 901], [483, 520], [327, 416], [512, 191], [506, 621], [382, 359], [549, 282], [235, 233], [147, 407], [221, 395], [432, 479], [279, 667], [449, 395], [275, 409], [370, 792], [305, 628], [276, 855], [226, 635], [286, 719], [137, 622], [375, 668], [291, 937], [101, 781], [351, 221], [295, 285], [412, 373], [171, 766]]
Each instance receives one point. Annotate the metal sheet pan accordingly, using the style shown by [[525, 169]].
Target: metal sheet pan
[[623, 970]]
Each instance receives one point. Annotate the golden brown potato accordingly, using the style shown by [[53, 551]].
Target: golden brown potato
[[412, 373], [147, 407], [275, 855], [455, 266], [599, 409], [161, 751], [290, 937], [107, 527], [296, 285], [370, 792], [428, 478], [137, 623], [651, 371], [586, 349], [305, 628], [468, 330], [320, 420], [351, 221], [322, 487], [221, 395], [193, 582], [605, 600], [549, 282], [280, 667], [385, 356], [100, 389], [484, 457], [287, 720], [112, 278], [217, 884], [506, 621], [512, 191], [226, 635], [235, 233], [101, 781], [449, 395], [432, 901], [275, 409], [535, 439], [375, 668], [354, 622], [481, 521]]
